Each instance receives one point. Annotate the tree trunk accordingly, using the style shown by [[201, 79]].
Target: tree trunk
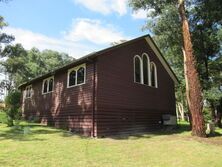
[[180, 110], [193, 88]]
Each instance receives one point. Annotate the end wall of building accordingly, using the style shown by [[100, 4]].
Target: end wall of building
[[124, 106]]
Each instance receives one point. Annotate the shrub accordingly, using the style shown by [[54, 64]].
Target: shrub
[[12, 109], [207, 114], [3, 117]]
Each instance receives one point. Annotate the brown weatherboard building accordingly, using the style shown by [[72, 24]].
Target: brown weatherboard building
[[122, 89]]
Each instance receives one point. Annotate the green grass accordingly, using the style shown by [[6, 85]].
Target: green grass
[[36, 145]]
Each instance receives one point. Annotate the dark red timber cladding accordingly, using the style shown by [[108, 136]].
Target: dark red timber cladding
[[64, 107], [125, 106]]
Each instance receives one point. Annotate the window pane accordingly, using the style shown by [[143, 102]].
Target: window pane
[[45, 86], [145, 70], [72, 78], [50, 85], [152, 71], [27, 92], [137, 70], [30, 91], [80, 75]]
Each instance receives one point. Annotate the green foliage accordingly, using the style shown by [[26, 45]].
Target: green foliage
[[4, 38], [3, 117], [23, 65], [207, 114], [12, 102], [213, 95]]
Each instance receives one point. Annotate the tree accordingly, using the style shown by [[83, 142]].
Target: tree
[[213, 94], [14, 65], [4, 38], [193, 87], [12, 102], [22, 65], [205, 29]]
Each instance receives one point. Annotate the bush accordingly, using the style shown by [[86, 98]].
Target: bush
[[3, 117], [12, 109], [207, 114]]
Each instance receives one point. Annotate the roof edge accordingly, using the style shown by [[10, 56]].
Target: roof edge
[[92, 55], [83, 59], [161, 58]]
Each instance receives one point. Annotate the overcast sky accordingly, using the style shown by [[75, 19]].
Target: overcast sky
[[76, 27]]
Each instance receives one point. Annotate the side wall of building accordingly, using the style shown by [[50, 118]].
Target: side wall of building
[[124, 106], [69, 108]]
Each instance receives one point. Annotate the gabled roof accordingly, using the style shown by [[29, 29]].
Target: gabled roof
[[92, 55], [161, 58]]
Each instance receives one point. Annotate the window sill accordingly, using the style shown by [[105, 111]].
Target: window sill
[[47, 93], [145, 85], [75, 85]]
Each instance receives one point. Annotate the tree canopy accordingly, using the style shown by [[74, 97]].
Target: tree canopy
[[22, 65], [4, 38]]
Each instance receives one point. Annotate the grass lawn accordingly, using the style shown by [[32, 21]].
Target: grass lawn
[[35, 145]]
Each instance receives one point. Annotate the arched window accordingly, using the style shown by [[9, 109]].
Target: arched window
[[146, 69], [28, 91], [76, 76], [137, 69], [72, 78], [153, 73], [45, 86], [81, 75], [50, 85]]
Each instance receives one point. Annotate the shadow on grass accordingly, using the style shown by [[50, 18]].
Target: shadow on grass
[[215, 134], [166, 130], [31, 132], [27, 132]]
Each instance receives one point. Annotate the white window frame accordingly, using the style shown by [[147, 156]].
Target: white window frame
[[48, 79], [155, 73], [141, 69], [29, 87], [148, 68], [76, 69]]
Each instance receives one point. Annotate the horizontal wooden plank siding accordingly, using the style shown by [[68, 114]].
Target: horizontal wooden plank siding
[[124, 106], [69, 108], [109, 102]]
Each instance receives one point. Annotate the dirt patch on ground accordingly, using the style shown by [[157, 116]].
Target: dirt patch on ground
[[210, 140]]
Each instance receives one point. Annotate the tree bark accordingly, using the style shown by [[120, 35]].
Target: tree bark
[[193, 88]]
